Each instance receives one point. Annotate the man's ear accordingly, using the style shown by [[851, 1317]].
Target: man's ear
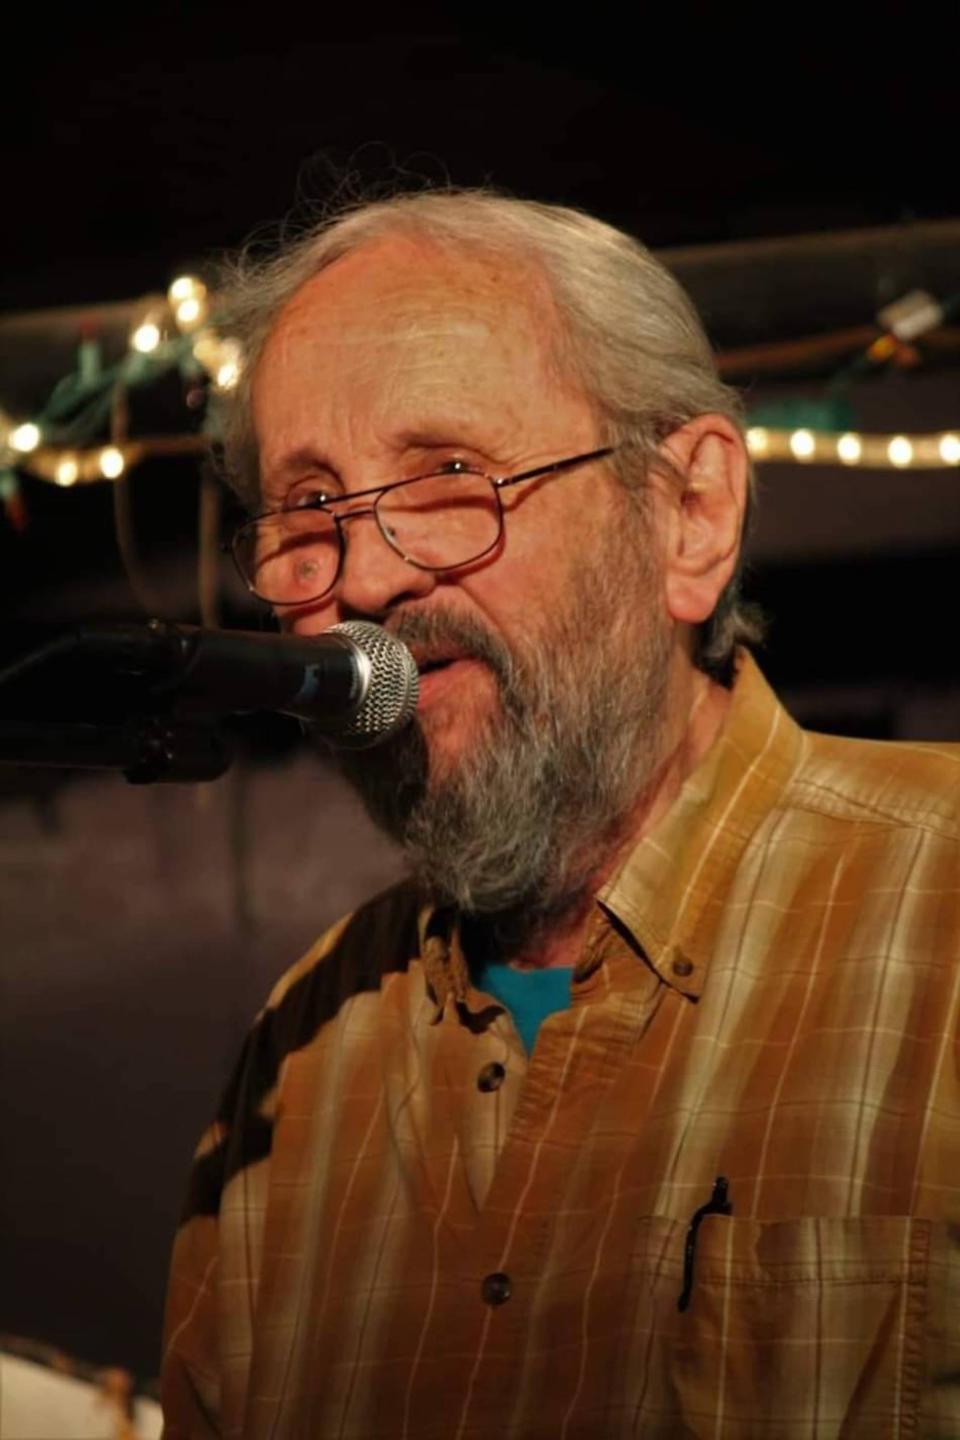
[[705, 501]]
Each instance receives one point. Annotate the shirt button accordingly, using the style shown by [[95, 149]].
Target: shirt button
[[682, 967], [495, 1288], [491, 1077]]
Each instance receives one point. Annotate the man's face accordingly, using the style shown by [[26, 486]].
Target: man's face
[[392, 362], [533, 741]]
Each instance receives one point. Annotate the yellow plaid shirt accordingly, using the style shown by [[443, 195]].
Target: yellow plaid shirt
[[402, 1226]]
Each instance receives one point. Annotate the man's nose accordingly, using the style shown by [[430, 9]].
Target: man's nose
[[374, 577]]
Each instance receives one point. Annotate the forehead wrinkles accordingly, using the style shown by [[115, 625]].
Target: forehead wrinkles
[[361, 339], [425, 369], [399, 295]]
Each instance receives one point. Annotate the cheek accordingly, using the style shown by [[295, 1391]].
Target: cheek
[[309, 620], [535, 571]]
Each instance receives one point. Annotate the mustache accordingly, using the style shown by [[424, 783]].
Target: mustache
[[463, 633]]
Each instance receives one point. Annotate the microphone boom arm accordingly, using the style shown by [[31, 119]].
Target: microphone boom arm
[[150, 696], [146, 748]]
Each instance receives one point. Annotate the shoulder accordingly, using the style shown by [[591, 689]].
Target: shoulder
[[351, 957], [896, 784]]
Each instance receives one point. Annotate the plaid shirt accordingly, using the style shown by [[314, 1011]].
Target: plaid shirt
[[402, 1226]]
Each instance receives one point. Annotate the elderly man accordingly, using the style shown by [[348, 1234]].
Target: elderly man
[[635, 1111]]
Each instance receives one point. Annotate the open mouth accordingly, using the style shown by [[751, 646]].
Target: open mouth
[[439, 672], [429, 664]]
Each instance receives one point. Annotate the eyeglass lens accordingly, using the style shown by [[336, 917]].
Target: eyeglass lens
[[438, 522]]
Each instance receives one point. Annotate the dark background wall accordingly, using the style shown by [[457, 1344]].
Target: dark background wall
[[143, 927], [143, 930]]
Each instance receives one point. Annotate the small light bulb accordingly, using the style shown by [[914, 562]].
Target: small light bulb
[[227, 375], [188, 311], [25, 438], [950, 449], [803, 444], [900, 450], [758, 441], [68, 470], [112, 463], [185, 287], [146, 337], [882, 348], [849, 448]]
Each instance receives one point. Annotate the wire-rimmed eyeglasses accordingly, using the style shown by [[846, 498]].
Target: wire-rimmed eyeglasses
[[441, 521]]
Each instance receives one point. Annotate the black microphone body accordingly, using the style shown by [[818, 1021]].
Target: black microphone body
[[232, 671], [354, 682]]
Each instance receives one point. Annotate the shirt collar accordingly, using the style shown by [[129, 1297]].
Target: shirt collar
[[660, 893]]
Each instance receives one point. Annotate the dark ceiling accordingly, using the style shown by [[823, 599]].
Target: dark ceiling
[[147, 137]]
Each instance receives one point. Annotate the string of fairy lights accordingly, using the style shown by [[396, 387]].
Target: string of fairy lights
[[64, 442], [877, 452]]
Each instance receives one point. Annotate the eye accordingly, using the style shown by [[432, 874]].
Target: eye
[[456, 466], [308, 500]]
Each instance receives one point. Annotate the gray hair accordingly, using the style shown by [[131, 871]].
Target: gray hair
[[628, 335]]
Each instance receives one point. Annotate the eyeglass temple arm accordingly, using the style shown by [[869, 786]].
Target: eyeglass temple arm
[[503, 482]]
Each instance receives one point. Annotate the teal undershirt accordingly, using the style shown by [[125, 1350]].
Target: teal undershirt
[[529, 995]]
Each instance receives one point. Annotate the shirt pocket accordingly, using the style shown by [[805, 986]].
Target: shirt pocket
[[810, 1327]]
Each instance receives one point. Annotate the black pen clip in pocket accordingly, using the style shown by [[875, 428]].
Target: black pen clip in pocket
[[718, 1204]]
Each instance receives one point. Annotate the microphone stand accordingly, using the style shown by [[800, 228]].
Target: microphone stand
[[146, 748], [151, 742]]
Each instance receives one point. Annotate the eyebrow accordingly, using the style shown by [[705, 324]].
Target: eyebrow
[[284, 471], [450, 437]]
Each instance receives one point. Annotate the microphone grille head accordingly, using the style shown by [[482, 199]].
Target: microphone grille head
[[393, 686]]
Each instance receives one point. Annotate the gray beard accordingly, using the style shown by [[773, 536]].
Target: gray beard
[[518, 829]]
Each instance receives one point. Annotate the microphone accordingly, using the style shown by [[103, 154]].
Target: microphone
[[355, 683]]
